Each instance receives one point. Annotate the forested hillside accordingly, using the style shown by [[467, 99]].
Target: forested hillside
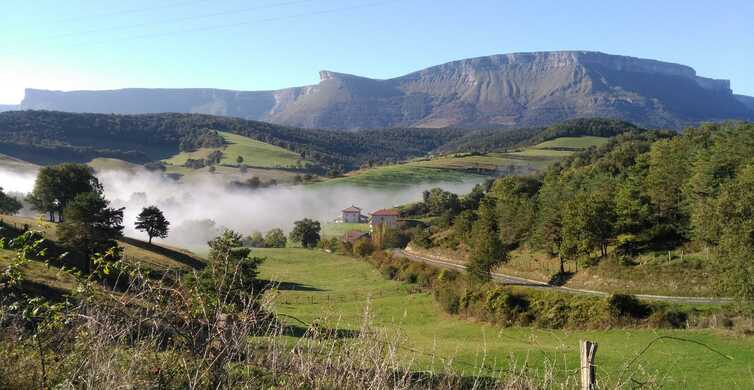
[[640, 192], [46, 137]]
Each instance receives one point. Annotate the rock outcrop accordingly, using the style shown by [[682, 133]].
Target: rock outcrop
[[508, 90]]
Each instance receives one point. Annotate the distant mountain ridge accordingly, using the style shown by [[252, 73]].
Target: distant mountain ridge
[[507, 90], [8, 107]]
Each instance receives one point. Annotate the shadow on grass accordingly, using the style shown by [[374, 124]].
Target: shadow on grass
[[172, 254], [287, 286], [560, 278], [320, 332], [37, 289]]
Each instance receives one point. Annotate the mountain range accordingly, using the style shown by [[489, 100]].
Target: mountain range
[[508, 90]]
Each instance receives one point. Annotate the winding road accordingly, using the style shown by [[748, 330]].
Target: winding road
[[529, 283]]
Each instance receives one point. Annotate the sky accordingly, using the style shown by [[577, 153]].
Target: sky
[[272, 44]]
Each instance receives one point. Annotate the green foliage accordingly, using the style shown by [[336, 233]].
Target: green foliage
[[153, 222], [8, 204], [363, 247], [90, 225], [306, 232], [255, 240], [232, 271], [58, 185], [422, 238], [275, 238], [487, 250], [439, 201]]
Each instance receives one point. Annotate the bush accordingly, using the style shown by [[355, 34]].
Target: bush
[[448, 299], [669, 319], [389, 271], [623, 305], [363, 247]]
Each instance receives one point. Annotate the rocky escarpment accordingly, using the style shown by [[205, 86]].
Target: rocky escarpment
[[513, 90]]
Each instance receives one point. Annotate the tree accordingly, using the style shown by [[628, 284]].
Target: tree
[[8, 204], [587, 224], [57, 185], [239, 159], [255, 240], [487, 250], [90, 225], [439, 201], [735, 211], [306, 232], [275, 238], [232, 271], [153, 222]]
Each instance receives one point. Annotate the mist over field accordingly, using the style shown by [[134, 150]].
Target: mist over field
[[198, 210]]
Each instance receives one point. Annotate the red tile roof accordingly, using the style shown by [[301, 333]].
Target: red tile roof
[[352, 209], [386, 213]]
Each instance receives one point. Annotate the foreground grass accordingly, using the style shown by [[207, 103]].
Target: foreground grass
[[336, 291]]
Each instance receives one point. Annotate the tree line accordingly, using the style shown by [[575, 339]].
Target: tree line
[[642, 191]]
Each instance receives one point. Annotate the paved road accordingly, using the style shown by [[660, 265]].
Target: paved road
[[517, 281]]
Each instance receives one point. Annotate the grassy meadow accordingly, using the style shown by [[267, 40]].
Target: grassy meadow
[[254, 153], [338, 292], [332, 229], [461, 167]]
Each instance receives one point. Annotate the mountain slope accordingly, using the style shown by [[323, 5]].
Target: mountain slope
[[509, 90]]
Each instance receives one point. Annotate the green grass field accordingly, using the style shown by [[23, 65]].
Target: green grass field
[[335, 290], [254, 153], [572, 142], [332, 229], [464, 166], [401, 175]]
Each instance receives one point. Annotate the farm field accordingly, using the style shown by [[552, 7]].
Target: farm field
[[401, 175], [572, 143], [254, 153], [336, 291], [461, 167], [332, 229]]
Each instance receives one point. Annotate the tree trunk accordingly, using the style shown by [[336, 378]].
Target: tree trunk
[[562, 264], [150, 240]]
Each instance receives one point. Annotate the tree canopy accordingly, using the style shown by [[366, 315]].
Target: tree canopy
[[9, 204], [58, 185], [90, 225], [306, 232], [152, 221]]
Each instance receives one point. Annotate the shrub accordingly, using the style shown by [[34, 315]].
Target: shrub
[[363, 247], [389, 271], [623, 305]]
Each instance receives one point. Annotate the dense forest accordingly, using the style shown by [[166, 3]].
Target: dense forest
[[46, 137], [641, 191]]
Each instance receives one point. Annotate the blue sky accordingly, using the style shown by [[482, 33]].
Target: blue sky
[[270, 44]]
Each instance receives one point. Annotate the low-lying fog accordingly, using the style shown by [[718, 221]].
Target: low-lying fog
[[200, 209]]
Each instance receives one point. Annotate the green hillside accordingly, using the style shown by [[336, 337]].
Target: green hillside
[[254, 153], [470, 166], [336, 291]]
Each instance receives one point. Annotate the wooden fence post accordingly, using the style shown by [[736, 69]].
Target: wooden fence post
[[588, 352]]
